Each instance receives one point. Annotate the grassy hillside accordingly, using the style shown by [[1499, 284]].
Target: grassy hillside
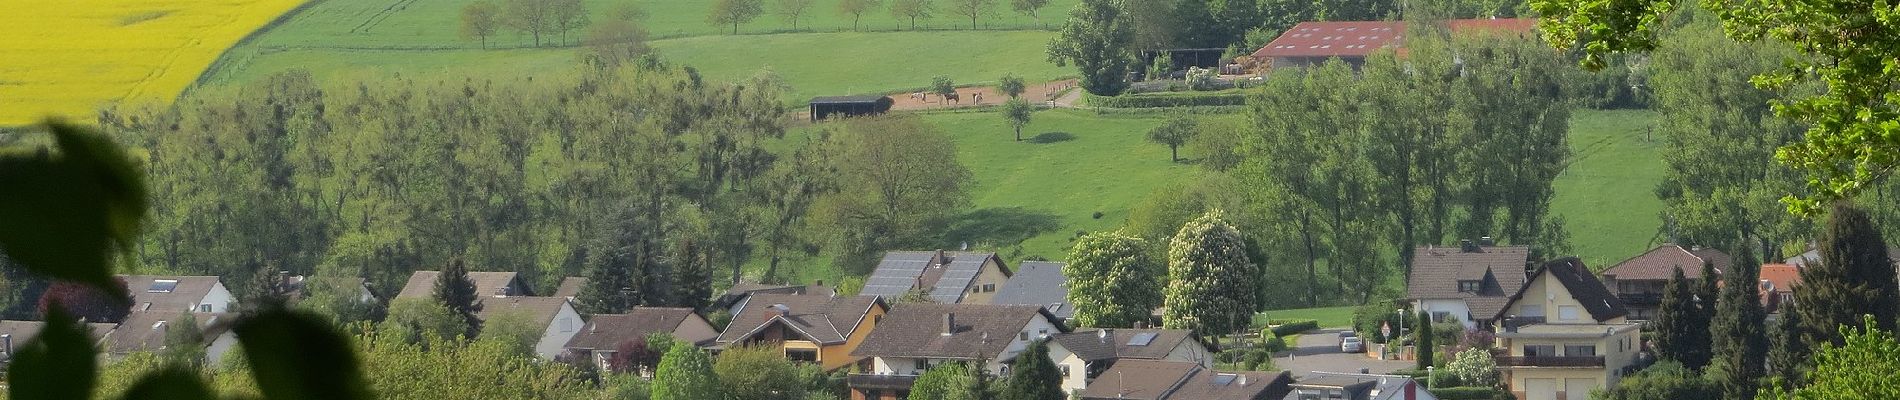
[[1607, 196], [813, 64], [436, 24], [66, 59]]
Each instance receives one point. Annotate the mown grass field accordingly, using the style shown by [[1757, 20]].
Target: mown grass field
[[1607, 196], [814, 64], [64, 58], [1328, 317], [435, 24]]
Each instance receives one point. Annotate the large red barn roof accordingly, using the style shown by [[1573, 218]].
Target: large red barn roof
[[1360, 38]]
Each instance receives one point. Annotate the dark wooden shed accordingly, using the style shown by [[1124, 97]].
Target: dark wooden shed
[[848, 106]]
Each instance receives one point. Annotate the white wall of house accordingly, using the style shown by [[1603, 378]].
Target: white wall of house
[[566, 323], [1456, 308], [1075, 371], [219, 300], [214, 354]]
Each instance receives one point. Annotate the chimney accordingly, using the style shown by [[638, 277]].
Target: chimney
[[1467, 246], [1365, 371], [501, 291], [942, 258], [1487, 241], [949, 324]]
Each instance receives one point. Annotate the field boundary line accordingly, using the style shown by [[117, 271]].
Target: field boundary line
[[224, 57]]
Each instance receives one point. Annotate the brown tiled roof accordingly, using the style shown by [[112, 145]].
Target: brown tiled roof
[[1090, 345], [570, 287], [1661, 262], [1437, 270], [739, 291], [183, 297], [607, 331], [1140, 380], [141, 330], [825, 319], [539, 310], [1582, 285], [422, 284], [1359, 38], [980, 331], [1222, 385]]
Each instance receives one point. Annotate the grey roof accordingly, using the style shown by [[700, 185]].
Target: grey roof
[[1388, 387], [859, 99], [980, 331], [1437, 270], [570, 287], [823, 319], [1038, 283], [740, 291], [145, 330], [607, 331], [539, 310], [1583, 286], [1174, 380], [946, 275], [422, 284], [185, 296], [1092, 345]]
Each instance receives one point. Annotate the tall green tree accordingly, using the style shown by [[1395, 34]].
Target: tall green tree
[[1740, 331], [758, 372], [1113, 282], [949, 381], [480, 20], [1848, 46], [1862, 367], [1720, 138], [1029, 8], [899, 186], [1665, 380], [1035, 377], [686, 373], [1099, 40], [1788, 359], [1854, 277], [856, 9], [1212, 287], [1682, 331], [531, 17], [1175, 132], [1422, 341], [693, 288], [455, 291], [1017, 112], [735, 12], [1011, 85]]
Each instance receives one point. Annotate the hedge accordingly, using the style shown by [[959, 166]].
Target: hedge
[[1295, 327], [1466, 393], [1172, 99]]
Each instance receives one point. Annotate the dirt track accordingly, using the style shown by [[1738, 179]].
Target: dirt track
[[1035, 92]]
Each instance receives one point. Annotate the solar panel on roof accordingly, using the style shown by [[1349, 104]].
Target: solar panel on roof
[[1142, 339], [163, 286], [1224, 379]]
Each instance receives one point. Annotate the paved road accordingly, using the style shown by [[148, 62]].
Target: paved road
[[1319, 351]]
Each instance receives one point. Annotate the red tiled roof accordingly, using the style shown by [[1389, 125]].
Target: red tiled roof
[[1661, 262], [1359, 38], [1782, 276]]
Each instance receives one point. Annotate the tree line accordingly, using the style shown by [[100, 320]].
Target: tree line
[[533, 18]]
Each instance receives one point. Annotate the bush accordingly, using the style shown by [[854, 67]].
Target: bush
[[1295, 327], [1164, 100], [1275, 344], [1202, 79], [1466, 393]]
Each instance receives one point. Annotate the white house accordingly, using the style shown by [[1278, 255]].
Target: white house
[[178, 294], [557, 317], [1084, 355], [913, 338], [1469, 283], [146, 331]]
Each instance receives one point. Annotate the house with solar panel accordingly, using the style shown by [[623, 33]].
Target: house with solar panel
[[947, 277], [178, 294], [1084, 355]]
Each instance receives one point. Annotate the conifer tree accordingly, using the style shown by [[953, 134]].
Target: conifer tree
[[1034, 377], [1423, 339], [457, 292], [1741, 340], [1682, 332], [611, 286], [1854, 278], [695, 278], [1787, 361]]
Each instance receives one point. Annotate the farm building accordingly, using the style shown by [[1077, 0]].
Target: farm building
[[848, 106], [1312, 43]]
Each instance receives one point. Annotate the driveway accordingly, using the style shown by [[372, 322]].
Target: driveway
[[1319, 351]]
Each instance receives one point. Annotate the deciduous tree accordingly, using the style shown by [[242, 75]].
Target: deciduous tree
[[1176, 132], [1862, 366], [1098, 39], [686, 373], [1029, 8], [1212, 287], [912, 10], [1017, 112], [566, 16], [1113, 281], [86, 302], [736, 12], [1011, 85], [480, 19], [532, 17], [949, 381], [758, 372], [972, 9], [856, 9], [792, 10]]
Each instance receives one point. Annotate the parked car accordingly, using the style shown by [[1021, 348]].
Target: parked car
[[1352, 345]]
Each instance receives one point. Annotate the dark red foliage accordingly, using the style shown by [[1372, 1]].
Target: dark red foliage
[[633, 356], [86, 302]]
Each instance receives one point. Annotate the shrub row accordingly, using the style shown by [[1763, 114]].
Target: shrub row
[[1185, 99], [1295, 327], [1467, 393]]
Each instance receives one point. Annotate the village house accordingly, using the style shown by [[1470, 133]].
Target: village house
[[554, 317], [1565, 335], [421, 284], [146, 331], [15, 334], [913, 338], [823, 330], [1313, 42], [600, 339], [944, 277], [1344, 386], [1174, 380], [1038, 283], [1083, 355], [735, 297], [1469, 283], [178, 294], [1777, 286], [1641, 280]]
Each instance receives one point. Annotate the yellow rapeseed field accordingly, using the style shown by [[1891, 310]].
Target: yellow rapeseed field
[[66, 58]]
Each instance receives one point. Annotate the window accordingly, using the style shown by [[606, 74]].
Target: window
[[1024, 335], [1468, 286], [1567, 313], [805, 356], [923, 365], [1540, 350], [989, 288], [1065, 371], [162, 286], [1530, 310], [877, 320], [1580, 351], [1440, 316], [204, 308]]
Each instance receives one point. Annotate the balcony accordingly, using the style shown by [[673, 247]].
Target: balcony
[[1513, 322], [1641, 299], [881, 382], [1552, 361]]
